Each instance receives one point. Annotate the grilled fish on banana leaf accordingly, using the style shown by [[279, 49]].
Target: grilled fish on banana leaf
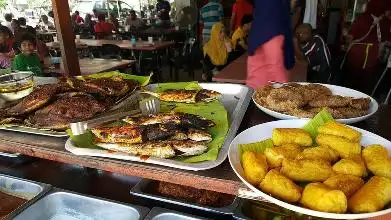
[[109, 86], [182, 119], [186, 96], [161, 149]]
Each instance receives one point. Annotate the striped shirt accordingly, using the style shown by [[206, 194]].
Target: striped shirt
[[210, 14]]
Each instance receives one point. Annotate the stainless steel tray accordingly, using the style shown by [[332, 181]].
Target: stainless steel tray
[[141, 187], [59, 204], [26, 189], [235, 99], [165, 214], [128, 100]]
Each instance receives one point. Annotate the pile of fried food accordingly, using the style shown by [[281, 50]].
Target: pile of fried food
[[335, 172], [305, 101], [164, 135], [54, 106]]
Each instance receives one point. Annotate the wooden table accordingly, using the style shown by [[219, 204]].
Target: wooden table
[[88, 66], [123, 44], [236, 72]]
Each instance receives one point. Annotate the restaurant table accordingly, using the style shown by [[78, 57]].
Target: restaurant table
[[88, 66], [123, 44], [221, 178], [236, 72]]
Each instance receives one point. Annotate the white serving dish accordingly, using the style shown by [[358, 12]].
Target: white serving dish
[[264, 131], [235, 99], [336, 90]]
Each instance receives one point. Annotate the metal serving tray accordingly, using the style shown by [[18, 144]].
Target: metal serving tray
[[235, 99], [165, 214], [59, 205], [26, 189], [128, 100], [141, 189]]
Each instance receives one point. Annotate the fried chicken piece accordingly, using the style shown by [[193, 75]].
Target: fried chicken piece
[[284, 99], [360, 103], [330, 101], [313, 91], [261, 93], [347, 112]]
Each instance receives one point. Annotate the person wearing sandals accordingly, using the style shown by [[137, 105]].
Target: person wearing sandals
[[217, 52]]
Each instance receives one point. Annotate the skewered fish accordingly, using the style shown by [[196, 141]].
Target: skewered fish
[[161, 149], [186, 96], [183, 119], [109, 86], [40, 96], [65, 110]]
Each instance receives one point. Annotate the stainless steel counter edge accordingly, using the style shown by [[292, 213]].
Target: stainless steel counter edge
[[137, 190], [156, 211]]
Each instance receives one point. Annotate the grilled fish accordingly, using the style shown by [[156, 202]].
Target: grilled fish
[[186, 96], [182, 119], [161, 149], [135, 134], [109, 86], [65, 110], [40, 96]]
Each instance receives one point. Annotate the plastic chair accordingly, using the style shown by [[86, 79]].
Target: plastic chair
[[110, 51]]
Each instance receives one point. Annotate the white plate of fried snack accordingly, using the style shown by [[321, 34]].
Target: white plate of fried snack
[[345, 173], [305, 100]]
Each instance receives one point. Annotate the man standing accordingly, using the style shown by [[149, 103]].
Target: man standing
[[163, 9], [210, 14], [133, 21]]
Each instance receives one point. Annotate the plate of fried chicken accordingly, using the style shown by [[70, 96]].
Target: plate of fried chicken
[[305, 100]]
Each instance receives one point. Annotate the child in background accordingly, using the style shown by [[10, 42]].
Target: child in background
[[28, 60], [6, 51], [239, 38]]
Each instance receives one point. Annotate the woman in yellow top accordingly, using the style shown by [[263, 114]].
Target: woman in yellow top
[[239, 38], [217, 52]]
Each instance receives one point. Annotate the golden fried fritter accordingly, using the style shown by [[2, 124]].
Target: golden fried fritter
[[320, 197], [348, 184], [306, 170], [318, 153], [341, 130], [281, 136], [360, 103], [284, 99], [353, 166], [254, 166], [275, 155], [377, 160], [344, 147], [330, 101]]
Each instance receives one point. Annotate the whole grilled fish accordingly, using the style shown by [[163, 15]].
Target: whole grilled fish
[[160, 149], [186, 96], [182, 119]]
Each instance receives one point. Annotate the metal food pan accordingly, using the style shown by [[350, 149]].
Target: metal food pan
[[26, 189], [59, 204], [142, 189], [165, 214]]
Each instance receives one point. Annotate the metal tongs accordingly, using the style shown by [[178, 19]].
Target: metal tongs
[[146, 107]]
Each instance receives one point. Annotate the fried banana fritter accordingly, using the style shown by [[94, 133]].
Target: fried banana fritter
[[341, 130], [372, 197], [280, 186], [330, 101], [320, 197], [348, 184], [344, 147], [377, 160], [254, 166], [281, 136], [275, 155], [318, 153], [306, 170], [353, 166]]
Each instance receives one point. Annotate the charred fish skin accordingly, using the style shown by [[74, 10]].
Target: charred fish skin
[[121, 134], [179, 95], [153, 149]]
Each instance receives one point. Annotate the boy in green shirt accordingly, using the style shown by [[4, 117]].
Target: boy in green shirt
[[28, 60]]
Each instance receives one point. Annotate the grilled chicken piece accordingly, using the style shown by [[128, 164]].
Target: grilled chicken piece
[[161, 149], [65, 110], [186, 96], [182, 119], [110, 86], [40, 96]]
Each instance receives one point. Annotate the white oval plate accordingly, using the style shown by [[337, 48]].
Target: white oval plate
[[264, 131], [336, 90]]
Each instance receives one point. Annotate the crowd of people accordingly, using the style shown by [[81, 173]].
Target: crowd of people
[[280, 37]]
